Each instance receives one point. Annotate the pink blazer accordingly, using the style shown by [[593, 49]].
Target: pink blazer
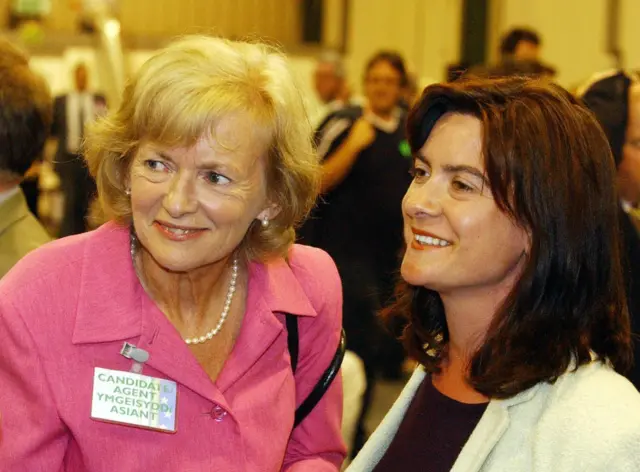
[[68, 307]]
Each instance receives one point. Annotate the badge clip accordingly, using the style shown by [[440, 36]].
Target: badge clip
[[138, 356]]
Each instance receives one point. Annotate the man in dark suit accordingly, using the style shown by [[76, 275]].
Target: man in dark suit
[[71, 113], [615, 100]]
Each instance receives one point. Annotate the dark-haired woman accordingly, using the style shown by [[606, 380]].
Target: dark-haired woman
[[512, 289]]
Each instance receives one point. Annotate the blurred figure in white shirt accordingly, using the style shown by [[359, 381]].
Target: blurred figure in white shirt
[[330, 85]]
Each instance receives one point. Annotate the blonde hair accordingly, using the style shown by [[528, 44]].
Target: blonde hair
[[181, 94]]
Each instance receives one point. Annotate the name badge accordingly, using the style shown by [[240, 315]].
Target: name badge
[[134, 399]]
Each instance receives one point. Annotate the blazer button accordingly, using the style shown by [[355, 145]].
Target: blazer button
[[218, 413]]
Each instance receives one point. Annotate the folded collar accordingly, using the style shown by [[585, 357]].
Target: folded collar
[[110, 299]]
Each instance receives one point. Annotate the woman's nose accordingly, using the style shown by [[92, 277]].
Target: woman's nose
[[422, 201], [181, 198]]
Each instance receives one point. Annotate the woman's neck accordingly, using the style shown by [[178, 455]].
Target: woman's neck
[[467, 322], [469, 316], [188, 299]]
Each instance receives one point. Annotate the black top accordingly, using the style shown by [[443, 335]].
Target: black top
[[359, 223], [432, 433]]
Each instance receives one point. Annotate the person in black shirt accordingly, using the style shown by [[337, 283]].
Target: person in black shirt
[[358, 220], [615, 100]]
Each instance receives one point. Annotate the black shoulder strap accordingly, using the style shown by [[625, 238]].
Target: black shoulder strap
[[327, 377], [323, 384], [292, 339]]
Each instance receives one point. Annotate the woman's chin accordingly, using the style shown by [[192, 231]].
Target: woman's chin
[[412, 274], [174, 264]]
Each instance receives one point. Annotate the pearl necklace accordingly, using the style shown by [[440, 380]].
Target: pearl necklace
[[227, 303]]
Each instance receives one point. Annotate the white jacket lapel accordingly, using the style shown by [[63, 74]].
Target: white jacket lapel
[[380, 440], [488, 432]]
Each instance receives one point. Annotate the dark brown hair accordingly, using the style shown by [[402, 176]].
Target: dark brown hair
[[511, 68], [511, 40], [550, 169], [394, 59], [25, 112]]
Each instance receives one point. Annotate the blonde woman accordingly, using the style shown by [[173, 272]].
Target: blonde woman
[[160, 340]]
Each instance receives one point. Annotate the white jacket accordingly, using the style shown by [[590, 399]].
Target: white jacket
[[588, 421]]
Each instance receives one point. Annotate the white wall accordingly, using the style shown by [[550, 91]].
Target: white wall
[[574, 33], [54, 71], [58, 70], [425, 32], [630, 33]]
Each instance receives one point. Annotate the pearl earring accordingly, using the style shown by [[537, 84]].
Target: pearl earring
[[128, 191], [265, 222]]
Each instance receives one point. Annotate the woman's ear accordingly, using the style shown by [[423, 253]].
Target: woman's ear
[[268, 214], [527, 239]]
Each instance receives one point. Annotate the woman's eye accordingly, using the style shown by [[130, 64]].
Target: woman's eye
[[461, 186], [156, 166], [418, 172], [217, 179]]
